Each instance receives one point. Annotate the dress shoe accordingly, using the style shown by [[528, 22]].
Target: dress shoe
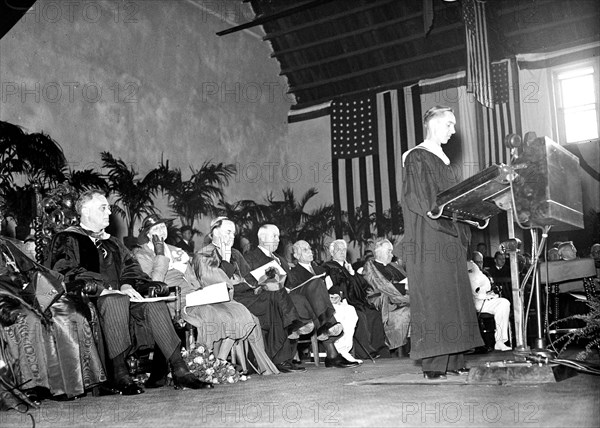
[[339, 362], [106, 389], [306, 328], [289, 367], [500, 346], [458, 372], [433, 375], [156, 382], [298, 365], [334, 330], [129, 387], [190, 381]]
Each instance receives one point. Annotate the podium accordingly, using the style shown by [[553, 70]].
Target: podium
[[541, 190]]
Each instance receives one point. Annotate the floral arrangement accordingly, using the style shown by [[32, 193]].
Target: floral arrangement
[[208, 368]]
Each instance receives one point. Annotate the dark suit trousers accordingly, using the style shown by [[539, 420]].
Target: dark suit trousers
[[441, 363], [118, 316]]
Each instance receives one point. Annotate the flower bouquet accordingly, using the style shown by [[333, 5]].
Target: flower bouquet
[[208, 368]]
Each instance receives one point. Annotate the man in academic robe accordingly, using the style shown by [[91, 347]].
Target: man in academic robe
[[268, 241], [88, 253], [443, 320], [311, 281], [389, 295]]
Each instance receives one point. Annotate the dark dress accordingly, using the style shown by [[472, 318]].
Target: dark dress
[[443, 317]]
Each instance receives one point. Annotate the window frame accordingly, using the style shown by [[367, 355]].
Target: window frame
[[558, 109]]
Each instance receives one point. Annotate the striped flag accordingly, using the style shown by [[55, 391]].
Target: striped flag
[[478, 62], [367, 140], [502, 119]]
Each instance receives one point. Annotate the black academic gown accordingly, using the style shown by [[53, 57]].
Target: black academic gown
[[443, 317], [315, 292], [257, 258], [369, 335]]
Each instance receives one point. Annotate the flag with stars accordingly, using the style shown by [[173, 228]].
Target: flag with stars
[[478, 62], [365, 146], [503, 118]]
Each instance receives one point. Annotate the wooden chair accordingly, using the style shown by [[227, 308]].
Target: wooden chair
[[314, 345]]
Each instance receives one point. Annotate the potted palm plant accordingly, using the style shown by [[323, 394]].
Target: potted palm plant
[[197, 196], [135, 195]]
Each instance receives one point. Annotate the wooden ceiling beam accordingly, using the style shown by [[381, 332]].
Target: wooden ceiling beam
[[401, 41], [274, 16], [345, 35], [312, 23], [550, 25], [346, 76], [395, 84]]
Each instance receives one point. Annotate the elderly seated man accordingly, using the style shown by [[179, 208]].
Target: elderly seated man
[[349, 289], [312, 281], [388, 293], [264, 253], [488, 301]]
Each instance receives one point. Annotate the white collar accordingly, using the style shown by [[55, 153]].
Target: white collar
[[307, 266], [266, 252], [431, 147]]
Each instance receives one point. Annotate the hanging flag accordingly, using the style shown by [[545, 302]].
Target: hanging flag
[[503, 118], [478, 63], [365, 149]]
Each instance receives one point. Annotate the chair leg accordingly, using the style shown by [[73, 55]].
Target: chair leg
[[315, 347]]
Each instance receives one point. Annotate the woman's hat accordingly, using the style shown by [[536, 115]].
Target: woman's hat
[[150, 221]]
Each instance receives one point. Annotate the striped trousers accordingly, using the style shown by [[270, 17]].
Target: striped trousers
[[118, 315]]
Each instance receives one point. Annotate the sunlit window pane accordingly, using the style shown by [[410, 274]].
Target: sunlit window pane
[[577, 91], [581, 125]]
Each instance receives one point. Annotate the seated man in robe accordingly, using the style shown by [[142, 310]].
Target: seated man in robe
[[220, 262], [488, 301], [388, 294], [219, 325], [311, 281], [268, 241], [369, 336], [346, 314], [88, 253], [49, 348]]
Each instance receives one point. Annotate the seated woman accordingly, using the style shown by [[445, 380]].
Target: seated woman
[[54, 351], [219, 325]]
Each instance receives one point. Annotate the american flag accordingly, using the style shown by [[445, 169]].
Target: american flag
[[503, 118], [366, 136], [478, 62]]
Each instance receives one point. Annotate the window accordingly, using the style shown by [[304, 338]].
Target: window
[[576, 92]]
